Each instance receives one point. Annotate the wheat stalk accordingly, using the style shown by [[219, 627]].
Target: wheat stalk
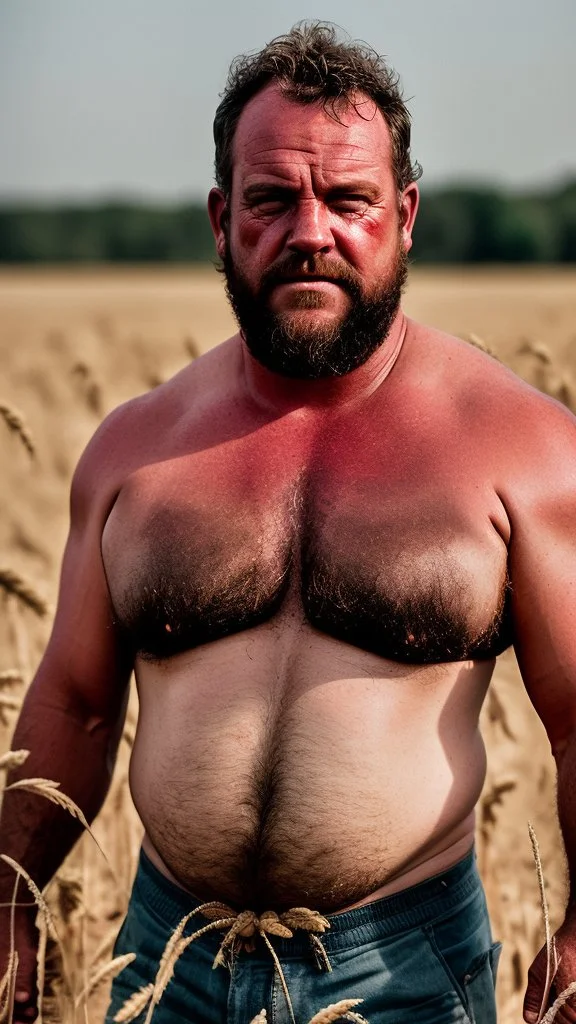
[[17, 424], [167, 963], [4, 982], [46, 915], [551, 959], [8, 988], [38, 897], [24, 591], [134, 1006], [50, 790], [41, 971], [13, 759], [106, 945], [9, 980], [109, 970]]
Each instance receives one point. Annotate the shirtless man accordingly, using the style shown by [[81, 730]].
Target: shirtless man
[[311, 544]]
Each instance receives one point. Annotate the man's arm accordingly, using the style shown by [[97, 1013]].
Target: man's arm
[[543, 578], [72, 717]]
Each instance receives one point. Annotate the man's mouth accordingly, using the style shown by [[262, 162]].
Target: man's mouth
[[307, 279]]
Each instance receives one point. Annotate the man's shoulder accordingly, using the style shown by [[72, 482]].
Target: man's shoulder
[[523, 437], [139, 430], [476, 381]]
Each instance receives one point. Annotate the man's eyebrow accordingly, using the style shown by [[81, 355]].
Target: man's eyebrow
[[353, 186]]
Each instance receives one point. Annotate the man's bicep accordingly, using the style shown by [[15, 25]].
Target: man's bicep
[[543, 579], [86, 664]]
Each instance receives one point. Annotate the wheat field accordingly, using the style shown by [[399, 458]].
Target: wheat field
[[75, 343]]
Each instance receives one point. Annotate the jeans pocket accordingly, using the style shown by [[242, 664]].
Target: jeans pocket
[[480, 984], [474, 984]]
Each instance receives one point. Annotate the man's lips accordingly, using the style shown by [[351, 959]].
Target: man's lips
[[307, 280]]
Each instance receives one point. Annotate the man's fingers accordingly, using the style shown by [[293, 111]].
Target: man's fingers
[[25, 1008], [535, 989], [566, 1014]]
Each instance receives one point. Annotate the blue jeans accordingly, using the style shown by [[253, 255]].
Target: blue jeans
[[422, 956]]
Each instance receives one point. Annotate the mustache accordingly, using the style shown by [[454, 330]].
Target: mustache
[[293, 267]]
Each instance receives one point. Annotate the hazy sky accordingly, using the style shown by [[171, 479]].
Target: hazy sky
[[116, 97]]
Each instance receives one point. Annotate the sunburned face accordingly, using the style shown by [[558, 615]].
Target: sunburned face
[[314, 236]]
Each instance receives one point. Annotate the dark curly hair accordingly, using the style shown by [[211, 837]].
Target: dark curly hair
[[311, 64]]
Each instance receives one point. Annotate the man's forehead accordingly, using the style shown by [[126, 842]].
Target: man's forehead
[[274, 127]]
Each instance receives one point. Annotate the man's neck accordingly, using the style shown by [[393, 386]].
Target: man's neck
[[274, 390]]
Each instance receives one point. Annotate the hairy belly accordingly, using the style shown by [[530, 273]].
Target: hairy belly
[[273, 774]]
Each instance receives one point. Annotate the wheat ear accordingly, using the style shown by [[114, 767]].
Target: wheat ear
[[109, 970], [24, 591], [8, 703], [7, 700], [336, 1011], [17, 424], [260, 1018], [173, 951], [166, 965], [11, 675], [13, 759], [51, 791], [133, 1006]]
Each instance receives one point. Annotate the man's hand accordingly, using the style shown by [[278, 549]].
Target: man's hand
[[566, 974], [26, 945]]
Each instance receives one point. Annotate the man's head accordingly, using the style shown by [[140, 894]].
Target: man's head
[[315, 201]]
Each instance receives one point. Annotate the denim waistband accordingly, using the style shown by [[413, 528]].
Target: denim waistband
[[386, 917]]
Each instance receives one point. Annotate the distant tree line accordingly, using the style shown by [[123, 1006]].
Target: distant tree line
[[474, 224], [457, 224]]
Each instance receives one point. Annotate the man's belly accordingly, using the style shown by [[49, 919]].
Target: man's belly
[[279, 767]]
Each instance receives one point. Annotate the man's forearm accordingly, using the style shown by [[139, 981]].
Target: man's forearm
[[566, 764], [78, 753]]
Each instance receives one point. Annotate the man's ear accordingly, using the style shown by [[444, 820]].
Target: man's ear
[[408, 210], [218, 213]]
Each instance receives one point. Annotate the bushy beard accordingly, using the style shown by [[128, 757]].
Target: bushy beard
[[287, 344]]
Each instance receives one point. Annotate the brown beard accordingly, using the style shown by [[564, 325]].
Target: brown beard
[[283, 344]]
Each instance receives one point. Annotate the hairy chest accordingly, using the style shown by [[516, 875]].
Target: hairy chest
[[399, 558]]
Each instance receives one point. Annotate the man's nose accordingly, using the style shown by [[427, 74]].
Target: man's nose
[[310, 230]]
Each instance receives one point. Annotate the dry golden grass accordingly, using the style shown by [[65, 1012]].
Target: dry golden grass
[[13, 583], [15, 422], [78, 343]]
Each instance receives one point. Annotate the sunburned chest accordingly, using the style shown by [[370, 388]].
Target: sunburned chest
[[391, 551]]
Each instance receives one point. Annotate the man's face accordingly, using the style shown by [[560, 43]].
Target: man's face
[[314, 236]]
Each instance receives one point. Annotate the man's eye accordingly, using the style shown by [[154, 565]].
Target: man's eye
[[269, 206], [349, 204]]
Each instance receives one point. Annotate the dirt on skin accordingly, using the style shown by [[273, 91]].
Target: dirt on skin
[[74, 344]]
